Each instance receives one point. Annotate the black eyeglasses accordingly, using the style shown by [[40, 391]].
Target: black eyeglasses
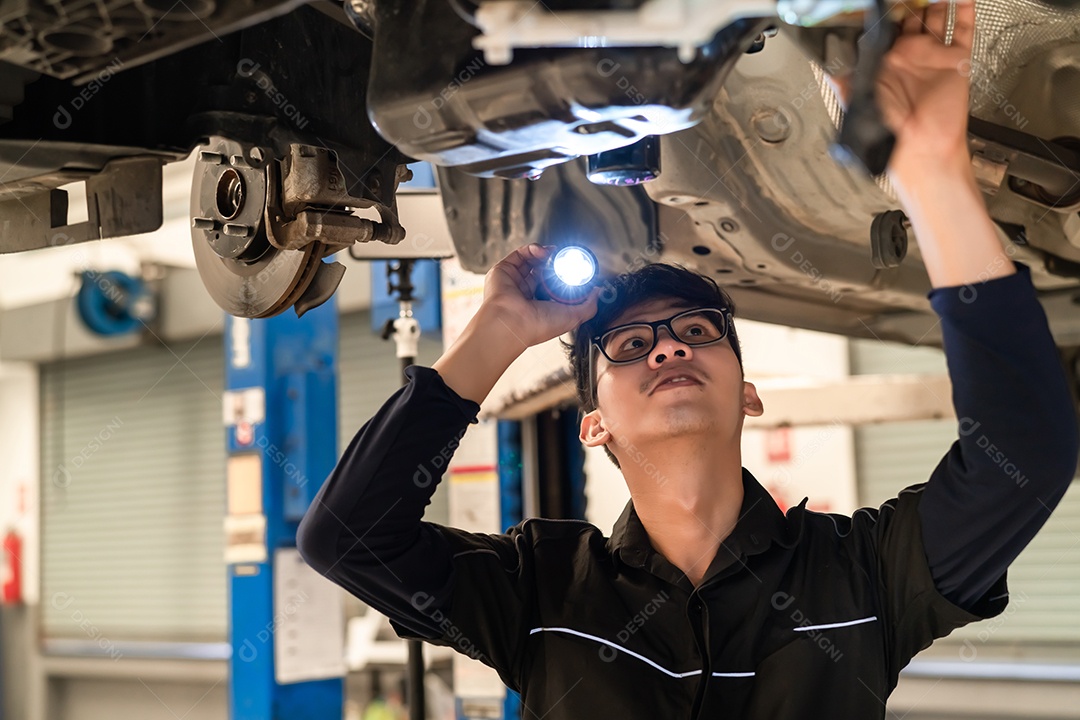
[[629, 343]]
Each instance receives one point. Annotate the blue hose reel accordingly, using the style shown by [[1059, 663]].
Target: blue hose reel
[[114, 303]]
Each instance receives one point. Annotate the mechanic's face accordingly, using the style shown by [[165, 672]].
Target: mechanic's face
[[644, 401]]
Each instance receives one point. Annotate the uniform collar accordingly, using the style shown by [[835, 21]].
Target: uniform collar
[[760, 524]]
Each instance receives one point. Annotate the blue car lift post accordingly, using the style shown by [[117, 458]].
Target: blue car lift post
[[288, 365]]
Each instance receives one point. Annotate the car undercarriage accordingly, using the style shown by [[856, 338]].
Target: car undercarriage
[[669, 130]]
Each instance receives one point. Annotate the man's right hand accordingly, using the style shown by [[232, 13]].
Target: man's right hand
[[509, 321], [510, 297]]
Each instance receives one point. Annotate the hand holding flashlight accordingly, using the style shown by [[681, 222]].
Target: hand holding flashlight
[[511, 319], [521, 289]]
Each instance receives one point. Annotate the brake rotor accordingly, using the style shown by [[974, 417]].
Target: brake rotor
[[243, 272]]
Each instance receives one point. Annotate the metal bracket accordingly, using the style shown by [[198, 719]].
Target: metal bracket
[[1046, 172], [506, 25], [123, 199]]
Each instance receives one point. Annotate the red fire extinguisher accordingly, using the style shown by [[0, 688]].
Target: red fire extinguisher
[[11, 589]]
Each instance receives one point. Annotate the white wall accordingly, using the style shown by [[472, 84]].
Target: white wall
[[19, 443], [821, 458]]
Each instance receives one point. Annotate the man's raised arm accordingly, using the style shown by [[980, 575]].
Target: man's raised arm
[[364, 530], [1018, 445]]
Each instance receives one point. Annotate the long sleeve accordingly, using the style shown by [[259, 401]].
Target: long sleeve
[[363, 529], [1018, 439]]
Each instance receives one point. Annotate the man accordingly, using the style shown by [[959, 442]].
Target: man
[[706, 601]]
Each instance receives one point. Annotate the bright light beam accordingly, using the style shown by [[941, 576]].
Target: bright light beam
[[574, 265], [569, 275]]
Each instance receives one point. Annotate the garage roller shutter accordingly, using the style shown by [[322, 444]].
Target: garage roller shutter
[[133, 484], [133, 458], [1044, 582]]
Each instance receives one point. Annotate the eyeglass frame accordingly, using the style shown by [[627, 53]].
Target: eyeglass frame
[[655, 325]]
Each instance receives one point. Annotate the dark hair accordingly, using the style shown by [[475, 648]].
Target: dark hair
[[652, 282]]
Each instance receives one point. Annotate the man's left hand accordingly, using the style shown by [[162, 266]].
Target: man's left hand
[[923, 89]]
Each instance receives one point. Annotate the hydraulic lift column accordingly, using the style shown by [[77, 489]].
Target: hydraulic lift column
[[286, 622]]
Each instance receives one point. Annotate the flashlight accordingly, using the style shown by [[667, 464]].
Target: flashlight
[[568, 275]]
